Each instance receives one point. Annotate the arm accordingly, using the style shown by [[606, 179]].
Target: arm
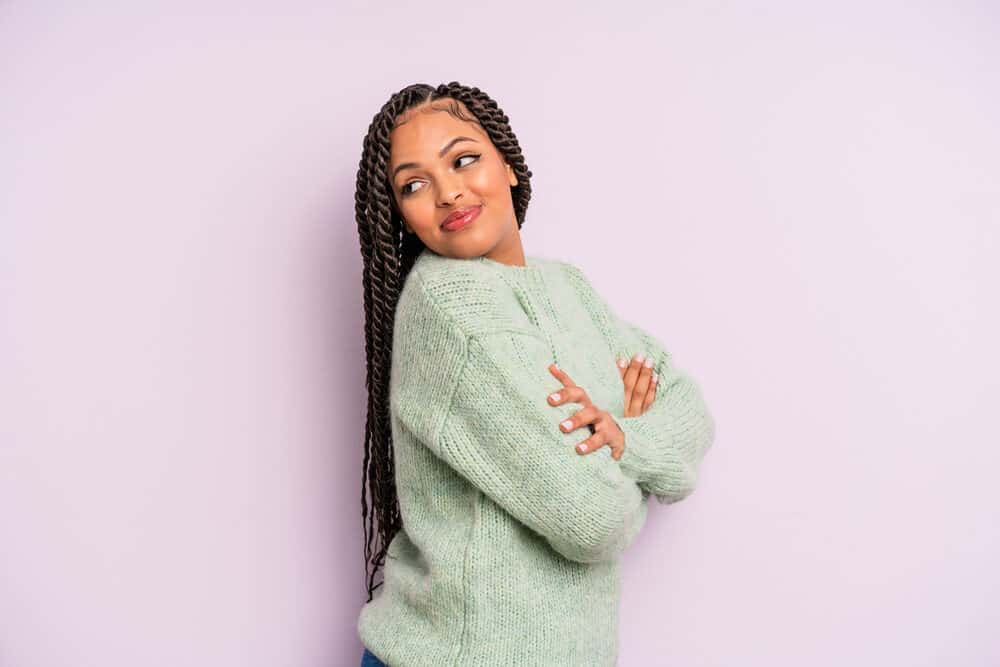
[[504, 437], [479, 403], [665, 445]]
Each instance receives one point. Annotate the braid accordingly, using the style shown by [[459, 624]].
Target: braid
[[388, 255]]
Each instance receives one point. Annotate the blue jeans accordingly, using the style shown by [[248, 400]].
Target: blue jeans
[[369, 659]]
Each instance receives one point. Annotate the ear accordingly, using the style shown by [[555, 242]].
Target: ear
[[511, 176]]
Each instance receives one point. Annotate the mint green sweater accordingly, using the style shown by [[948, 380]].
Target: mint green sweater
[[510, 542]]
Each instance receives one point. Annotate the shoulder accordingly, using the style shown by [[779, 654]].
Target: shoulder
[[440, 273], [475, 298], [462, 292]]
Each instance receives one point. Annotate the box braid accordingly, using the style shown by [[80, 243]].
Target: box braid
[[388, 253]]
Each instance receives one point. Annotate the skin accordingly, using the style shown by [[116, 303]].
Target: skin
[[427, 193], [430, 175], [640, 384], [640, 390]]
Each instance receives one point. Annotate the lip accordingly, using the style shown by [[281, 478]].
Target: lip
[[460, 218]]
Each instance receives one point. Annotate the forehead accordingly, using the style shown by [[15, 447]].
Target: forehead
[[421, 132]]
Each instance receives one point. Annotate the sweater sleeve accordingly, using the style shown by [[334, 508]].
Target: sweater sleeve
[[664, 446], [479, 402], [504, 437]]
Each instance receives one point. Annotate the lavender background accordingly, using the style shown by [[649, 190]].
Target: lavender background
[[800, 199]]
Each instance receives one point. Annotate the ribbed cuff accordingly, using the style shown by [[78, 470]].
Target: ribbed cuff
[[651, 459]]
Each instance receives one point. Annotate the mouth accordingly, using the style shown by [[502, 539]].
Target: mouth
[[461, 218]]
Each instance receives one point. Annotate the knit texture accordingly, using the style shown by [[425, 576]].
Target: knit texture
[[510, 542]]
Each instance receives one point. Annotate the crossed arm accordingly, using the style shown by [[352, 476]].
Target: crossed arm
[[478, 402], [666, 443]]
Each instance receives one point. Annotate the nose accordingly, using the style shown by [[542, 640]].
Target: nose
[[452, 189]]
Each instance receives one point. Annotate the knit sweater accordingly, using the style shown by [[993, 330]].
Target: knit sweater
[[508, 554]]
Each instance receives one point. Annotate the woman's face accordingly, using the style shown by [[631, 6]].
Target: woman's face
[[439, 164]]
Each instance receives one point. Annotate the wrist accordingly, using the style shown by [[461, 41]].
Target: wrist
[[634, 462]]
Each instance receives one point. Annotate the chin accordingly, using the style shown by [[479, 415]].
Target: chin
[[465, 246]]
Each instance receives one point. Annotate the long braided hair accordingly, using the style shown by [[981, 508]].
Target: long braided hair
[[388, 252]]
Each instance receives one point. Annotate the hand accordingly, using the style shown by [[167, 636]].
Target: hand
[[640, 384], [600, 422]]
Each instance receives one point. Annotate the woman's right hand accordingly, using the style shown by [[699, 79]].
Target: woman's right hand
[[640, 384], [602, 425]]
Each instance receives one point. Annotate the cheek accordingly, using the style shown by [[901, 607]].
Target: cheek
[[419, 211], [492, 180]]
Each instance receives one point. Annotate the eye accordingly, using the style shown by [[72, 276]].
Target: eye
[[404, 191]]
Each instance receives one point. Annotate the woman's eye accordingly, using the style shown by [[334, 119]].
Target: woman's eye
[[405, 191]]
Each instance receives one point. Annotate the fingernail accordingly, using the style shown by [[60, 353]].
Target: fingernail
[[655, 377], [582, 447], [640, 357], [649, 362], [567, 423], [554, 397], [622, 363]]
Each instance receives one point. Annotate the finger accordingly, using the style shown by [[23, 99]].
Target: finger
[[617, 451], [591, 444], [622, 364], [617, 439], [587, 415], [643, 367], [571, 394], [561, 375], [629, 379], [599, 439], [650, 393]]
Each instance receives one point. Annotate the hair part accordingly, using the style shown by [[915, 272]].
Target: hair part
[[388, 253]]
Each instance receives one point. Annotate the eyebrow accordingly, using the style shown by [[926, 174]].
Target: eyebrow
[[447, 147]]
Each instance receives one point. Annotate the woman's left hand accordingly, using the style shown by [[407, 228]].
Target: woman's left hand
[[640, 384], [600, 422]]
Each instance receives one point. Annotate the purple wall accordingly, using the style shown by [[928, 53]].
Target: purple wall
[[802, 201]]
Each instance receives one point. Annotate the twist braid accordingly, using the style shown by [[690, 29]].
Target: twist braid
[[388, 255]]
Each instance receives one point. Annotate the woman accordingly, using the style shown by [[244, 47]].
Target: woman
[[493, 390]]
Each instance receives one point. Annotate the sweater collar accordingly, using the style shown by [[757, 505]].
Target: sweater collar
[[528, 275], [531, 269]]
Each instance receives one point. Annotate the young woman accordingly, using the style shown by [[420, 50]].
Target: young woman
[[495, 379]]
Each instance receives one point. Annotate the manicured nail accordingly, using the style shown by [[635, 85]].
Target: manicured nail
[[640, 357], [582, 447], [622, 363], [655, 377], [554, 397], [649, 362], [566, 424]]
